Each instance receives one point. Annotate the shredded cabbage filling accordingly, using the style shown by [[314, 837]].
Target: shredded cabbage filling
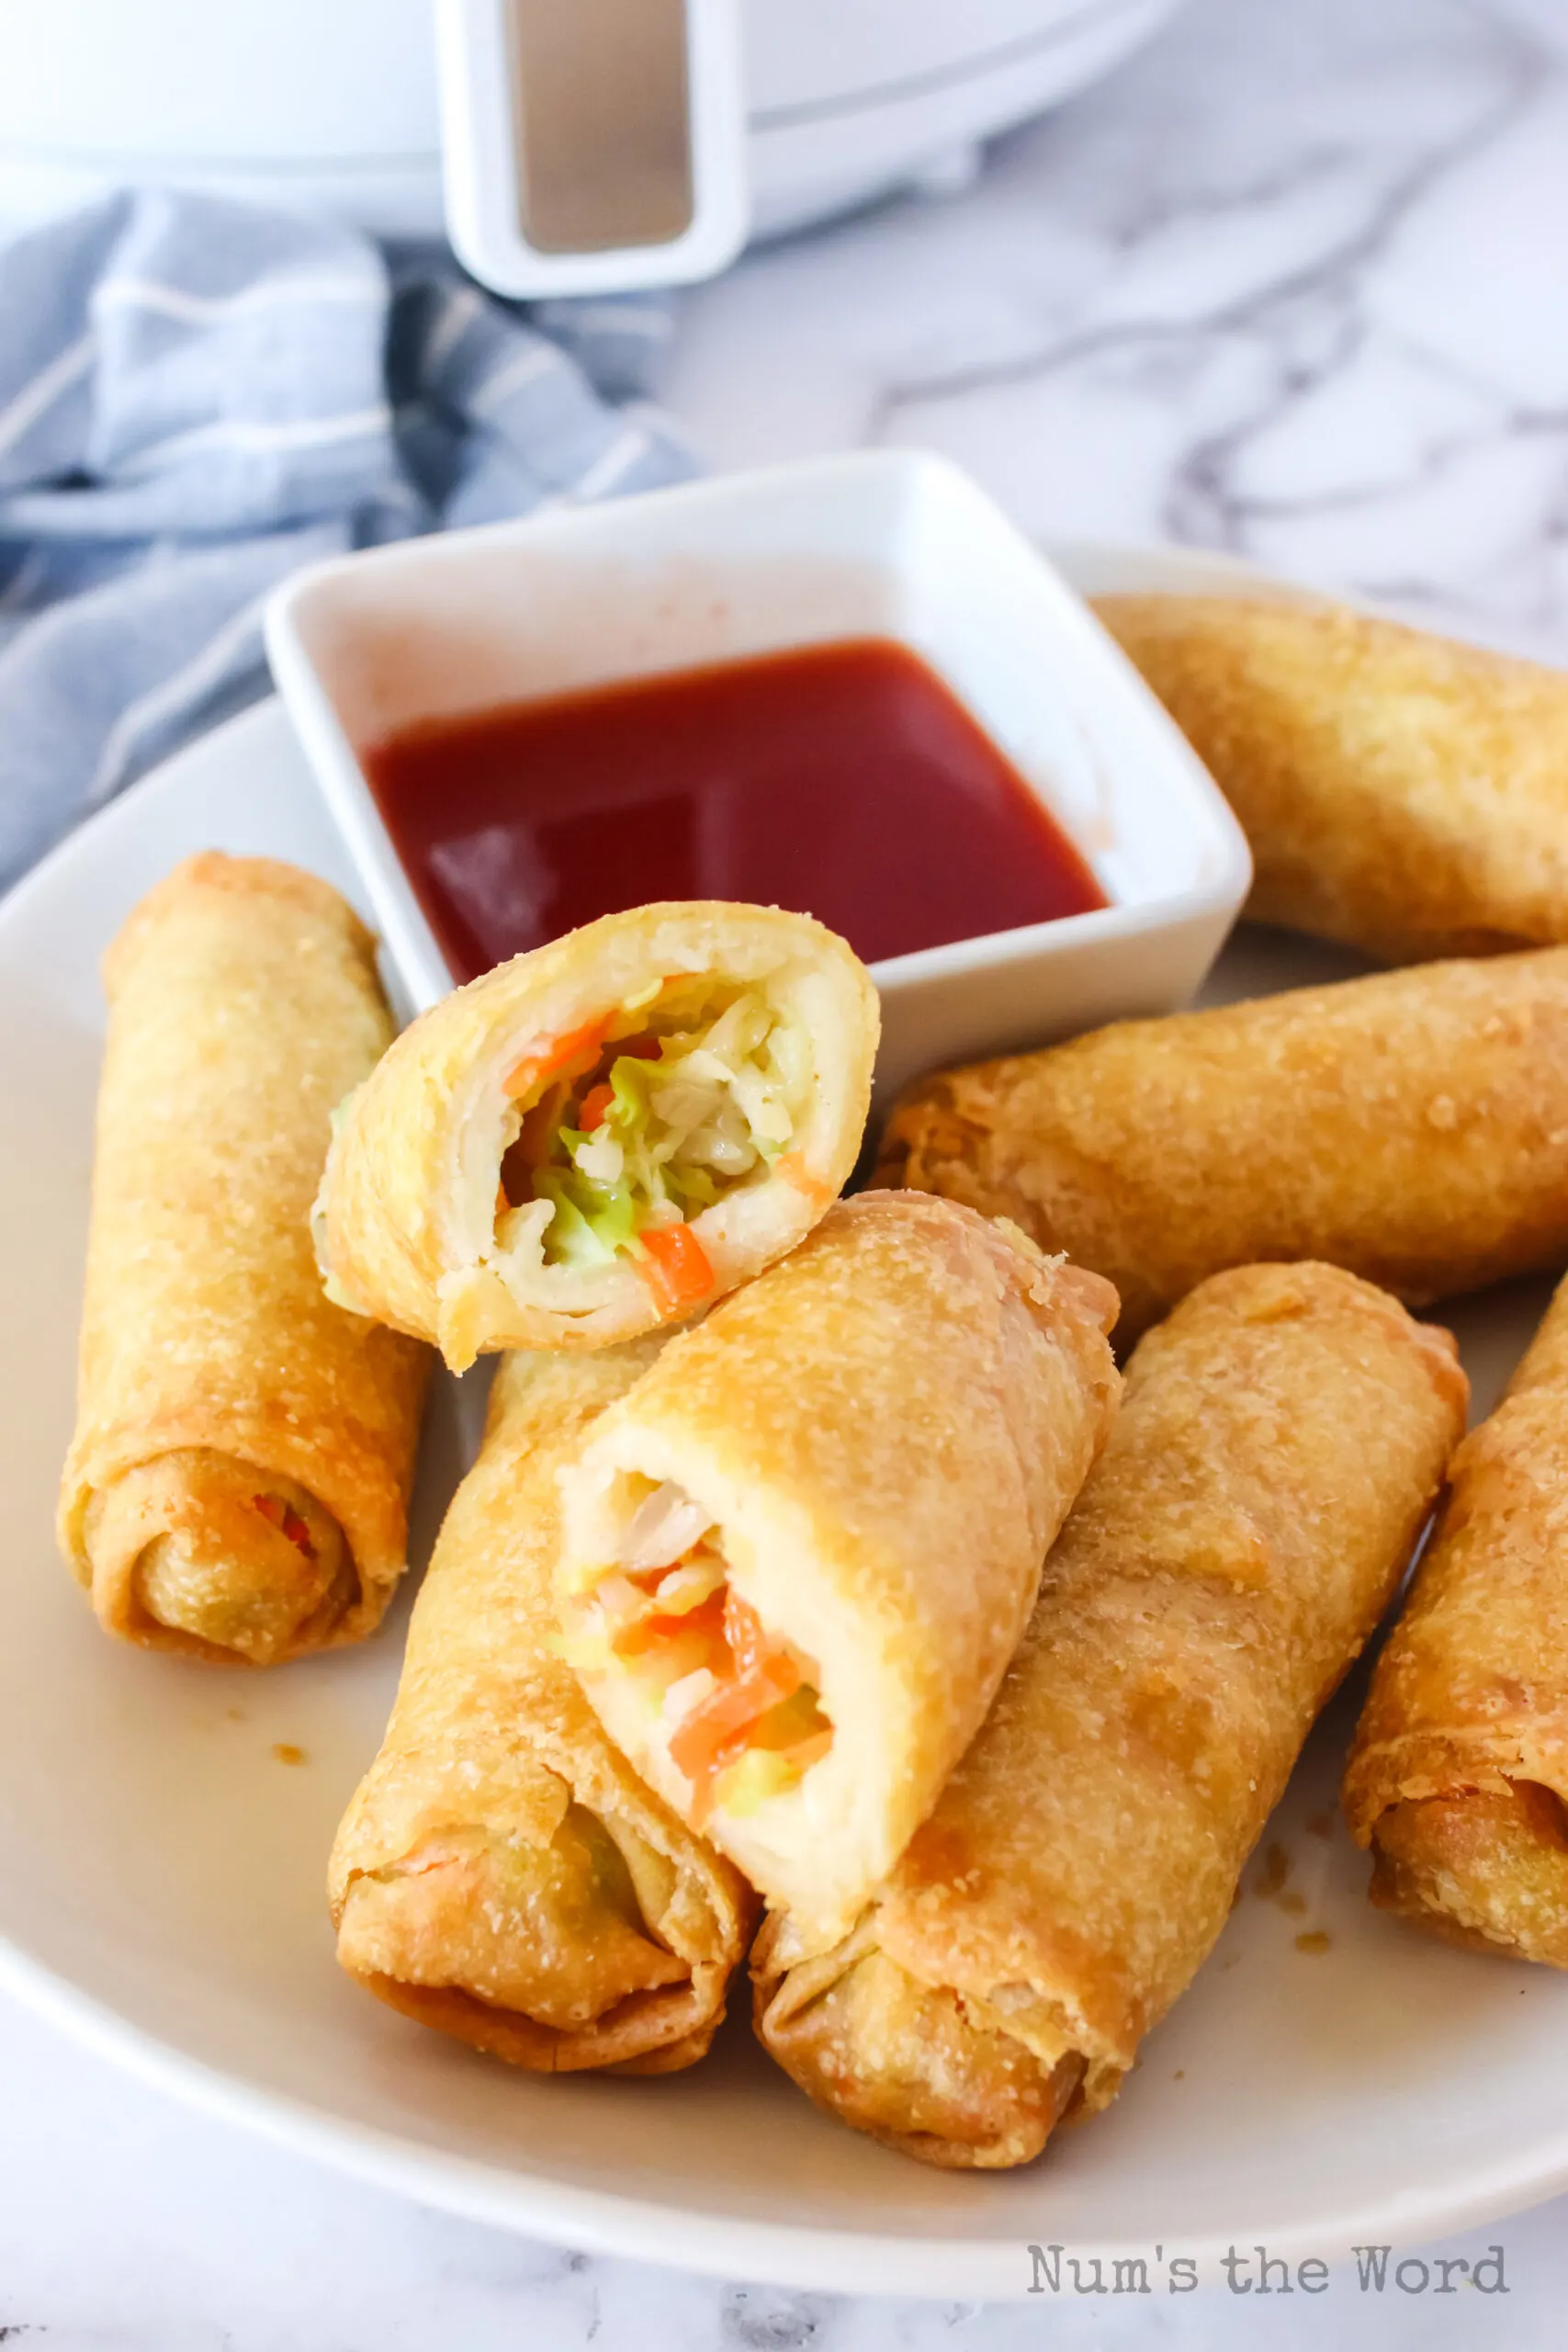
[[652, 1117]]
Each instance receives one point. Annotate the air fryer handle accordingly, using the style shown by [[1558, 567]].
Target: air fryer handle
[[592, 145]]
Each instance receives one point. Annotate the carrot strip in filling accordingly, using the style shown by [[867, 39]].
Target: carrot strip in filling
[[535, 1068], [677, 1268], [763, 1699], [747, 1719]]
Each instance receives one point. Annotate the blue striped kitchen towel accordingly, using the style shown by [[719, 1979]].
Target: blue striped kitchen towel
[[197, 396]]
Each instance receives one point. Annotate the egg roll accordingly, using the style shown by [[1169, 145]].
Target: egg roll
[[237, 1486], [604, 1133], [1457, 1780], [502, 1874], [798, 1556], [1411, 1126], [1401, 793], [1280, 1444]]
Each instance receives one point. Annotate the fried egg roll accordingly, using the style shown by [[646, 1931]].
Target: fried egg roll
[[603, 1134], [1411, 1127], [1457, 1780], [237, 1486], [502, 1874], [797, 1558], [1280, 1444], [1400, 792]]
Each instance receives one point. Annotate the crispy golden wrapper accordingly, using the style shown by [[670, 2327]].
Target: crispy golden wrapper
[[237, 1486], [882, 1435], [1280, 1444], [1401, 792], [502, 1874], [1457, 1780], [1411, 1127]]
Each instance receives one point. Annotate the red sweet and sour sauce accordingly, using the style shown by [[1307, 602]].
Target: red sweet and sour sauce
[[844, 781]]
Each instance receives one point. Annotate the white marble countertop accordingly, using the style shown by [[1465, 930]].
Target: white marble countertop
[[1295, 284]]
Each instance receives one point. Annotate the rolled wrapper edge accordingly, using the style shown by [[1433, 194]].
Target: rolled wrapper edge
[[1019, 2075], [353, 1492]]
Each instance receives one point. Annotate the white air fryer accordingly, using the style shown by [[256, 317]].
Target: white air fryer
[[569, 146]]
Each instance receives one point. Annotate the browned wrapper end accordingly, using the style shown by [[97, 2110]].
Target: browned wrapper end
[[197, 1553], [554, 1956], [1486, 1869], [941, 1139], [1458, 1777], [1401, 792], [908, 2063]]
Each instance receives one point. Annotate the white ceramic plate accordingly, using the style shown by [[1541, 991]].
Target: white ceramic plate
[[161, 1872]]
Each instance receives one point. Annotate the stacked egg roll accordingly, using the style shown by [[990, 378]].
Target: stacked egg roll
[[237, 1484], [797, 1558], [603, 1134], [1459, 1776], [1400, 792], [502, 1874], [1280, 1444], [1411, 1127]]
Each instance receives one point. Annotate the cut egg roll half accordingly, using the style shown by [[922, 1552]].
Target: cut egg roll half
[[604, 1135], [799, 1555]]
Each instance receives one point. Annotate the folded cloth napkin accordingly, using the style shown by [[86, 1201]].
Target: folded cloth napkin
[[198, 396]]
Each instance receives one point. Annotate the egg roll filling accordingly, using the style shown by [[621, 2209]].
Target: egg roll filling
[[740, 1708], [617, 1137]]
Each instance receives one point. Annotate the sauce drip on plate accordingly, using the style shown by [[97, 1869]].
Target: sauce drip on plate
[[844, 781]]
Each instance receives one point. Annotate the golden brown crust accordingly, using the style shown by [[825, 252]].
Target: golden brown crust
[[182, 1557], [643, 2036], [908, 2063], [217, 1387], [889, 1427], [1280, 1444], [1458, 1773], [1411, 1127], [463, 1881], [1400, 792], [213, 870]]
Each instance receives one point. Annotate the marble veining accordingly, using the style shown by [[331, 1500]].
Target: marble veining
[[1294, 285]]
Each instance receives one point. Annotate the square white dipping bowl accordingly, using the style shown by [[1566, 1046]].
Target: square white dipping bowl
[[889, 545]]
